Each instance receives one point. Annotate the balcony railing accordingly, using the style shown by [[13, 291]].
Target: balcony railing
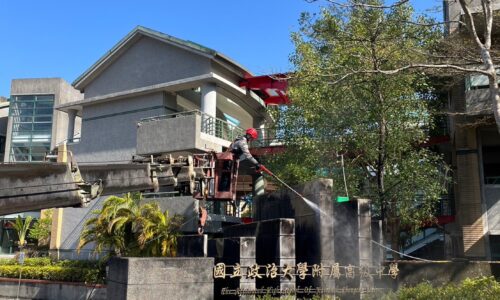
[[209, 125], [268, 137]]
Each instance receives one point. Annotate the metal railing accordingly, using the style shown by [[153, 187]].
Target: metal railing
[[492, 180], [219, 128], [209, 124], [268, 137]]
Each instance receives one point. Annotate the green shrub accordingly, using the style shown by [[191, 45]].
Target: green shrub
[[44, 268], [484, 288], [7, 261], [37, 261]]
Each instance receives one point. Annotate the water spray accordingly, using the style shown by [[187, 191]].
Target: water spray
[[311, 204]]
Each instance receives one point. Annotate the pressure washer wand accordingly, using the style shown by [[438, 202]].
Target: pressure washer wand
[[266, 170]]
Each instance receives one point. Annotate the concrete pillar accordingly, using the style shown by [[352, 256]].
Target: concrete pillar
[[365, 244], [209, 99], [275, 243], [56, 229], [258, 185], [62, 153], [71, 124], [208, 107]]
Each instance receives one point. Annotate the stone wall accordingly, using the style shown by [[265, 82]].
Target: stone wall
[[161, 278], [44, 289], [412, 273]]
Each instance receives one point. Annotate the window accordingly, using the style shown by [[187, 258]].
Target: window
[[495, 247], [491, 164], [31, 117], [2, 147]]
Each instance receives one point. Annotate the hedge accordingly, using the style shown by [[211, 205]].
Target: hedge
[[43, 268], [484, 288]]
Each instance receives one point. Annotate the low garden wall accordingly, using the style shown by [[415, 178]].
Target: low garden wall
[[45, 289], [161, 278]]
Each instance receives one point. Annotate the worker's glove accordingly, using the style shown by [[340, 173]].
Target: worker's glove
[[258, 167]]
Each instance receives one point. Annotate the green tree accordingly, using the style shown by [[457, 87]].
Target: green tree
[[342, 107], [127, 227], [41, 229], [21, 227]]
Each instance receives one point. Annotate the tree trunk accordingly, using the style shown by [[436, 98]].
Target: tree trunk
[[395, 236]]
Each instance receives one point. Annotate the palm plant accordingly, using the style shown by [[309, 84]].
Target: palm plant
[[126, 227], [158, 236], [22, 227]]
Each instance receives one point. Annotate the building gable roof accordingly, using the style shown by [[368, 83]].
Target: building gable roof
[[140, 31]]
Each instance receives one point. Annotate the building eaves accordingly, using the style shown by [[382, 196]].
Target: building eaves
[[220, 58]]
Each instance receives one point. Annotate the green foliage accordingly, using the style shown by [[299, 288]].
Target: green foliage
[[44, 268], [41, 228], [21, 227], [484, 288], [343, 104], [127, 227]]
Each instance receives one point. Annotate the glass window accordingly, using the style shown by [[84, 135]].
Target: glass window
[[43, 111], [21, 112], [46, 104], [42, 126], [24, 105], [20, 157], [23, 119], [495, 247], [491, 164], [2, 146], [32, 127], [22, 127], [43, 119], [44, 97], [25, 98]]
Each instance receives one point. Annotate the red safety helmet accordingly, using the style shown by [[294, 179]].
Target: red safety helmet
[[252, 133]]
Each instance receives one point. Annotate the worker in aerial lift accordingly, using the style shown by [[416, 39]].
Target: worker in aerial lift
[[239, 147]]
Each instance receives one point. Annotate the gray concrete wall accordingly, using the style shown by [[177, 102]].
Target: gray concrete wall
[[60, 120], [477, 101], [108, 131], [161, 278], [183, 206], [147, 62], [338, 233], [453, 11], [73, 222], [174, 135], [43, 289], [232, 250]]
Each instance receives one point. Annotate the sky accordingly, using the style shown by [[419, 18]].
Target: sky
[[63, 38]]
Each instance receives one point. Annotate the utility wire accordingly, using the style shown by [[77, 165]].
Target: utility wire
[[417, 258], [72, 182]]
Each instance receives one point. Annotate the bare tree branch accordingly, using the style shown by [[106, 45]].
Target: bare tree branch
[[472, 27], [356, 4]]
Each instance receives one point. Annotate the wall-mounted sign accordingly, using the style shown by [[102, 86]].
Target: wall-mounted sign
[[303, 270]]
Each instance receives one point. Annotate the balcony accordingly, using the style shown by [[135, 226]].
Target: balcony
[[191, 131]]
